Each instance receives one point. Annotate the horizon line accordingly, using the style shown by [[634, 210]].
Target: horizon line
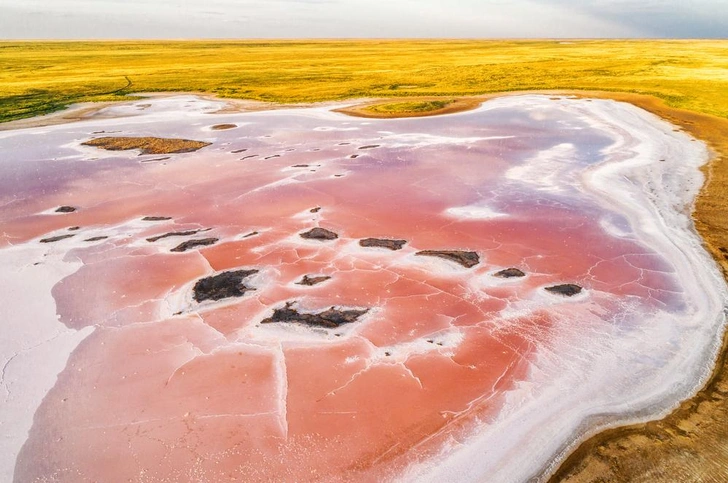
[[361, 39]]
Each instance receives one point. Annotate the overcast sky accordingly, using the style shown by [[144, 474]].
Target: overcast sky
[[35, 19]]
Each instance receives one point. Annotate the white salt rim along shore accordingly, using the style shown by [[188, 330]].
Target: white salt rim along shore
[[657, 197], [34, 345]]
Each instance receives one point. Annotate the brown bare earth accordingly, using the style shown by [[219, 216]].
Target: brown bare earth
[[691, 444], [147, 145]]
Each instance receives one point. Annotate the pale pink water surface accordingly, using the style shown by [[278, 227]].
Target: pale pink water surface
[[166, 389]]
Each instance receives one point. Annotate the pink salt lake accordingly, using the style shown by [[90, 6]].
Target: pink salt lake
[[445, 372]]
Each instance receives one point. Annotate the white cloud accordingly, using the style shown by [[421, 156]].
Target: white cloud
[[339, 18]]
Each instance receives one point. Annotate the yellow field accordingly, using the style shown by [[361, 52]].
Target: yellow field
[[40, 77]]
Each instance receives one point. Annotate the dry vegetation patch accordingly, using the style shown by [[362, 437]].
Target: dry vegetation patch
[[417, 107], [147, 145]]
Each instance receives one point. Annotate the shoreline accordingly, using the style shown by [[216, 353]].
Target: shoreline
[[688, 428], [708, 216], [596, 424]]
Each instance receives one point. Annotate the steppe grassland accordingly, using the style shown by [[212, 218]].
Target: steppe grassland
[[41, 77]]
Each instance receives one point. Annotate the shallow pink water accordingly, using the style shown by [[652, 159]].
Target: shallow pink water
[[170, 390]]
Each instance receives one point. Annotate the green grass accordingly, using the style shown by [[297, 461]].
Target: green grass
[[40, 77]]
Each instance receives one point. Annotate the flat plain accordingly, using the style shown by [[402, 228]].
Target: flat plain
[[40, 77], [685, 82]]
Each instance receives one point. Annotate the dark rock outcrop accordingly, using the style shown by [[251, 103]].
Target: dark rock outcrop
[[329, 319], [156, 218], [173, 233], [190, 244], [65, 209], [321, 234], [370, 146], [223, 285], [568, 290], [156, 160], [382, 243], [311, 281], [510, 273], [96, 238], [56, 238], [466, 259]]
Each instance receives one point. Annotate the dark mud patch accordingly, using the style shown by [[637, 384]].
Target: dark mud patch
[[96, 238], [510, 273], [248, 157], [568, 289], [173, 233], [329, 319], [65, 209], [311, 281], [223, 127], [54, 239], [466, 259], [253, 233], [320, 234], [190, 244], [238, 151], [156, 218], [315, 210], [74, 228], [147, 145], [370, 146], [382, 243], [223, 285]]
